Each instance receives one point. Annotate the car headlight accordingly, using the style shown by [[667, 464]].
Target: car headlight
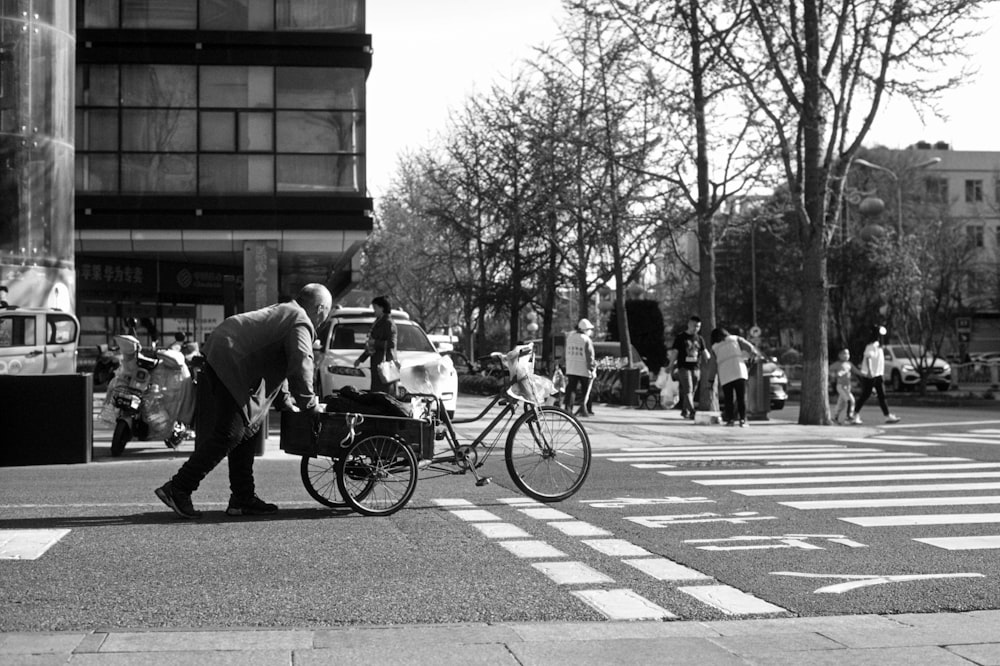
[[908, 368], [345, 370]]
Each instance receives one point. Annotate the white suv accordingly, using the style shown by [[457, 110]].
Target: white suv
[[341, 339], [902, 364], [37, 341]]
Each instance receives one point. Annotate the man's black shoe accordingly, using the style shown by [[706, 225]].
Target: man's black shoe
[[177, 500], [254, 506]]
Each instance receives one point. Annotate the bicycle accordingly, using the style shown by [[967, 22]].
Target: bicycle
[[375, 467]]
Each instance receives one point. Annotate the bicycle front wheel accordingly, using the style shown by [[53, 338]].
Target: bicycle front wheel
[[548, 454], [378, 475]]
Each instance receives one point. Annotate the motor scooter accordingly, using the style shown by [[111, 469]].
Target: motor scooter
[[148, 397]]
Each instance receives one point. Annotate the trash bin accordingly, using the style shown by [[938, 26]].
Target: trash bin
[[758, 394]]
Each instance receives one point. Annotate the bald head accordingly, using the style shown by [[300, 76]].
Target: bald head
[[316, 300]]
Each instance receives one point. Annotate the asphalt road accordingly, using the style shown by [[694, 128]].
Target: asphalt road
[[722, 529]]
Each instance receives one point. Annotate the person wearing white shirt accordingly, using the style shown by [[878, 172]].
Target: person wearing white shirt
[[872, 369]]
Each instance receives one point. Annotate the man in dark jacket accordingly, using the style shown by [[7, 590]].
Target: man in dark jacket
[[251, 360]]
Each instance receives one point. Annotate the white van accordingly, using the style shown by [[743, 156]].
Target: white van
[[37, 341]]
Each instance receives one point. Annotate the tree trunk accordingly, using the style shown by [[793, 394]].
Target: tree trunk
[[815, 403]]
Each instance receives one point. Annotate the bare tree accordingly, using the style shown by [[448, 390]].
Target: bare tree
[[819, 71]]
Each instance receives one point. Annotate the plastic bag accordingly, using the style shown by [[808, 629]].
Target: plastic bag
[[558, 380]]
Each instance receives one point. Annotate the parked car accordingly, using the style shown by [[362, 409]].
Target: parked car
[[461, 362], [902, 365], [986, 358], [341, 339], [37, 341]]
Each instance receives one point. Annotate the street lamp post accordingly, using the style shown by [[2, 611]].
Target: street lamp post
[[899, 185]]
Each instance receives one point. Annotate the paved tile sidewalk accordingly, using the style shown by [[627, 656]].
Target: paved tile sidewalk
[[938, 639]]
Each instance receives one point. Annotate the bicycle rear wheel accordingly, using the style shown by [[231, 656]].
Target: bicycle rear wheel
[[319, 476], [378, 475], [548, 454]]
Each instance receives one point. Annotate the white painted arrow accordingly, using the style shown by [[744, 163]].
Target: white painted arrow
[[856, 581]]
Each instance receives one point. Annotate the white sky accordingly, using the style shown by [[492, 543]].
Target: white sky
[[430, 55]]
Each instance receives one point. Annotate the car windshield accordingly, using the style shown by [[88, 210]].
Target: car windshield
[[352, 335]]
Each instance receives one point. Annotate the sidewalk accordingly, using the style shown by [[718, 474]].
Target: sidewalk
[[938, 639]]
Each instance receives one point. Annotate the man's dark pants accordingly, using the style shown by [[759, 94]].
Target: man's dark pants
[[221, 432], [574, 383], [688, 379]]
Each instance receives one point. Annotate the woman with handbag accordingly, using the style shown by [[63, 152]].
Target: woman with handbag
[[381, 348]]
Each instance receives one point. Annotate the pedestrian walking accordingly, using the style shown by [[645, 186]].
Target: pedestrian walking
[[252, 360], [731, 353], [380, 347], [872, 369], [686, 355], [581, 368], [843, 371]]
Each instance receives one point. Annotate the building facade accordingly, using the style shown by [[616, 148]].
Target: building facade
[[220, 157]]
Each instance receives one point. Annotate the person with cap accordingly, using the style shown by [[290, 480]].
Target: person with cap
[[581, 367]]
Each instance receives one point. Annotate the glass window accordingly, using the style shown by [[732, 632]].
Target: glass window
[[237, 15], [100, 14], [97, 130], [17, 331], [97, 85], [160, 14], [975, 232], [256, 131], [235, 174], [241, 87], [158, 173], [973, 191], [339, 15], [218, 131], [62, 329], [158, 130], [316, 132], [316, 173], [158, 85], [937, 189], [319, 88], [96, 173]]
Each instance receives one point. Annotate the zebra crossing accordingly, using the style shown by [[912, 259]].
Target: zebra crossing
[[868, 477], [591, 586]]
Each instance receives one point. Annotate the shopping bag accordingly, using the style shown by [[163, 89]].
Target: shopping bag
[[388, 372], [558, 380]]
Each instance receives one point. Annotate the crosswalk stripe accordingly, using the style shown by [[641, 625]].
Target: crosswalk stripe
[[926, 519], [873, 503], [531, 549], [874, 453], [622, 605], [845, 490], [877, 440], [733, 448], [617, 547], [906, 460], [29, 544], [661, 568], [977, 439], [847, 479], [983, 542], [670, 455], [826, 470], [730, 600], [572, 573]]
